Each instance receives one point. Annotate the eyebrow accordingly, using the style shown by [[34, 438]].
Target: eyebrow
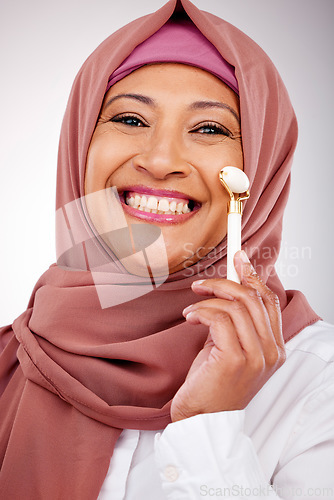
[[214, 104], [136, 97], [194, 106]]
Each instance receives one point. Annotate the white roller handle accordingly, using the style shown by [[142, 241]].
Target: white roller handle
[[233, 244]]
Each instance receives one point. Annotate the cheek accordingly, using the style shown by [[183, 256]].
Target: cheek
[[218, 221], [210, 160], [223, 157], [103, 158]]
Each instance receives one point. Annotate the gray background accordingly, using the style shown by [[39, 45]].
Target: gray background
[[43, 45]]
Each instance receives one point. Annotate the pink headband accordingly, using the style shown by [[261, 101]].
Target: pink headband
[[179, 42]]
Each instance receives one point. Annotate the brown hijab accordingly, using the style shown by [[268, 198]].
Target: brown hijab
[[74, 374]]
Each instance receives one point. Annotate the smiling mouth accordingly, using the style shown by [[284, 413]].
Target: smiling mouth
[[165, 206]]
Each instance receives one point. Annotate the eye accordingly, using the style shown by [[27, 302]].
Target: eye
[[212, 129], [130, 120]]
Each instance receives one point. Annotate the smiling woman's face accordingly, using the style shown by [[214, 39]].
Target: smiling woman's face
[[163, 134]]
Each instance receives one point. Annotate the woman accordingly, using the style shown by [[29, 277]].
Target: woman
[[103, 358]]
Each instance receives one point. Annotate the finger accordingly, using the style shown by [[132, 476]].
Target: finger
[[249, 296], [205, 288], [239, 315], [269, 334], [221, 329], [225, 313], [250, 278], [203, 303]]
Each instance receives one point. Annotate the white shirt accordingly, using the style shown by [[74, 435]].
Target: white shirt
[[280, 446]]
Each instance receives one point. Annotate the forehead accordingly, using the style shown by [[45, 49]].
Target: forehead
[[177, 81]]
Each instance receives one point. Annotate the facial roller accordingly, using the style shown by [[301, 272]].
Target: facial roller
[[236, 183]]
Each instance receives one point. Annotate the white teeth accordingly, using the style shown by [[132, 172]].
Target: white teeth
[[179, 207], [172, 206], [155, 205], [143, 202], [137, 200], [163, 205], [152, 203]]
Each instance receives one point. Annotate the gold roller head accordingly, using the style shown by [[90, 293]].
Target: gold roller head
[[236, 183]]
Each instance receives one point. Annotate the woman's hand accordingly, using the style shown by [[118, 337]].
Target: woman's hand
[[244, 347]]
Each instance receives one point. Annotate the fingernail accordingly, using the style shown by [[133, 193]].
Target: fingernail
[[186, 310], [197, 283], [190, 315], [243, 257], [247, 268]]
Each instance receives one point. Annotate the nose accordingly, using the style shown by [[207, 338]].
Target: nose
[[163, 157]]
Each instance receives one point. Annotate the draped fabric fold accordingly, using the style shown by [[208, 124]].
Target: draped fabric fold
[[73, 373]]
